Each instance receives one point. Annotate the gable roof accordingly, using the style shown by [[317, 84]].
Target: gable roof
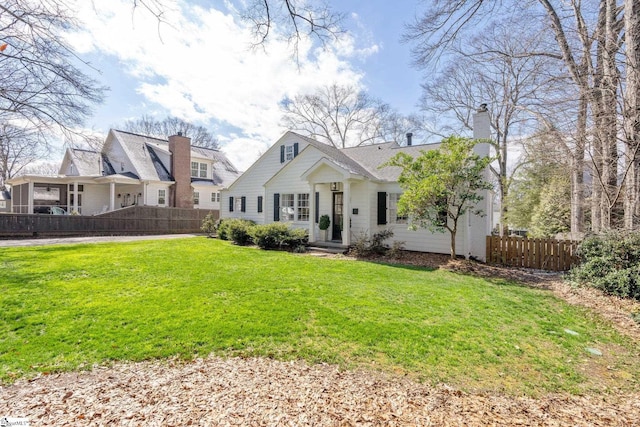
[[365, 160], [87, 162], [339, 157], [371, 157], [135, 147], [144, 153]]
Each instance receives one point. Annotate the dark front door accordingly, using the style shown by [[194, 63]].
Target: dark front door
[[337, 217]]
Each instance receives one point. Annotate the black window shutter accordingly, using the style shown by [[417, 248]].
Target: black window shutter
[[295, 149], [230, 204], [282, 154], [276, 207], [382, 208], [259, 204], [243, 204], [317, 213]]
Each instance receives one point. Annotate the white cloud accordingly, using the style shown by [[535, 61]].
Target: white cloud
[[202, 69]]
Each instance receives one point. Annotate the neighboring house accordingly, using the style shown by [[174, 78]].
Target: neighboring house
[[129, 170], [299, 179], [5, 201]]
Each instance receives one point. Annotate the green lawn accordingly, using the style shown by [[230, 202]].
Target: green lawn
[[70, 306]]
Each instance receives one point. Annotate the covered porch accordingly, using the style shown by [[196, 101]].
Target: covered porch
[[332, 186]]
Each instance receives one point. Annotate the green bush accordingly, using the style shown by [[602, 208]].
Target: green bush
[[210, 224], [610, 262], [365, 246], [278, 235], [235, 229]]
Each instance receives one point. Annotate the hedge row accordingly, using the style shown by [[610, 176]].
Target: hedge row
[[243, 232]]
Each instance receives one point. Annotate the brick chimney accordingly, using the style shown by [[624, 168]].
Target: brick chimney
[[181, 192]]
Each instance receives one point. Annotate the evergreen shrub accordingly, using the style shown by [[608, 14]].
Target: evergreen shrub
[[610, 262]]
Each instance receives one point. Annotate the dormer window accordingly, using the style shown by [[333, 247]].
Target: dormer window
[[199, 170], [288, 152]]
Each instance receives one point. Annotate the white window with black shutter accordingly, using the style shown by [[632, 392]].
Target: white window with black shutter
[[388, 209], [288, 152], [241, 203]]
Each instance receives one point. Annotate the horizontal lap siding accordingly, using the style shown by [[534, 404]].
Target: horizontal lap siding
[[251, 184], [421, 240]]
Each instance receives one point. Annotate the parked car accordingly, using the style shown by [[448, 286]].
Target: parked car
[[49, 210]]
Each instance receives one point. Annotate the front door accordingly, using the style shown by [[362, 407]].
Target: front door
[[337, 216]]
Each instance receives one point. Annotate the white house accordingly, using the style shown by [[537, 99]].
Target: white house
[[299, 179], [129, 170]]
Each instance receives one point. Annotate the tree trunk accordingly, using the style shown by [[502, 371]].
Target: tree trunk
[[452, 233], [577, 169], [631, 112]]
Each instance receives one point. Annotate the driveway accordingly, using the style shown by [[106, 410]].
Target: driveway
[[89, 239]]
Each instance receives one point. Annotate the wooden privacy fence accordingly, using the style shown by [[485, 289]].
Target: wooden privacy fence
[[542, 254], [132, 220]]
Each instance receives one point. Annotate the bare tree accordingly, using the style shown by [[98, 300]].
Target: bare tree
[[631, 112], [40, 85], [589, 40], [342, 116], [149, 126], [19, 148], [495, 69], [293, 18]]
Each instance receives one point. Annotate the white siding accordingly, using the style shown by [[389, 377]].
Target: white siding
[[421, 239], [205, 191], [152, 194], [251, 183], [95, 199]]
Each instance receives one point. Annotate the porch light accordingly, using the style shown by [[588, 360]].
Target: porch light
[[334, 186], [119, 195]]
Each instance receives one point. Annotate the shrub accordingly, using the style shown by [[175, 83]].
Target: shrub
[[365, 246], [235, 229], [278, 235], [210, 224], [324, 222], [610, 262]]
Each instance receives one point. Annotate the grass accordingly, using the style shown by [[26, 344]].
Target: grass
[[70, 306]]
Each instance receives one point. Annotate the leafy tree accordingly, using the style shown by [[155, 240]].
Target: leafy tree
[[149, 126], [552, 215], [442, 185], [540, 195]]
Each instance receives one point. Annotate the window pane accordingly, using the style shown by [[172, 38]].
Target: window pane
[[394, 217], [287, 207], [196, 198], [289, 152], [303, 207], [203, 170], [194, 169]]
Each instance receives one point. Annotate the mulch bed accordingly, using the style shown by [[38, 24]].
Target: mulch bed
[[264, 392]]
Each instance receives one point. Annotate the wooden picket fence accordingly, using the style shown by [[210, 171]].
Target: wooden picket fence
[[541, 254]]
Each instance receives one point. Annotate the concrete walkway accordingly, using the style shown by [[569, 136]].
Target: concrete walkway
[[89, 239]]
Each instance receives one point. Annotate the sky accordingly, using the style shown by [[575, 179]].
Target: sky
[[199, 66]]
